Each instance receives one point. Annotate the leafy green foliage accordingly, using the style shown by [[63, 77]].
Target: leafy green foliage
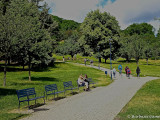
[[70, 46], [140, 29], [66, 27], [97, 29]]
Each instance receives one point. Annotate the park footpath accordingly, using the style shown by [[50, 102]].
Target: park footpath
[[101, 103]]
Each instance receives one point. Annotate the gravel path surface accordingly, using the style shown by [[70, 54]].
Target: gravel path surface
[[101, 103]]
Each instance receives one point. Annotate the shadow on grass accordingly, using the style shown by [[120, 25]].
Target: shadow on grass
[[4, 91], [59, 98], [23, 84], [36, 106], [40, 109], [74, 93], [124, 61], [42, 79]]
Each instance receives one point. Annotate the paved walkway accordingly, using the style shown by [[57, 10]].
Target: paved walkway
[[101, 103]]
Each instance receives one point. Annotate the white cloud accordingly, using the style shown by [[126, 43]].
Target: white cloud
[[73, 9], [134, 11], [125, 11]]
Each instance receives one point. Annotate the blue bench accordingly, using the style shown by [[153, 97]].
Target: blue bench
[[68, 86], [52, 90], [26, 95], [91, 81]]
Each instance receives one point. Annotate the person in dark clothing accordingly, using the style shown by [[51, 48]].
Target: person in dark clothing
[[138, 71], [128, 73], [126, 70]]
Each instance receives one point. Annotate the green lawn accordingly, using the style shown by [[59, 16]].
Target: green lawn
[[152, 69], [18, 79], [145, 103]]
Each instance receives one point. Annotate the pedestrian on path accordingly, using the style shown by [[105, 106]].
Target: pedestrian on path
[[85, 60], [114, 72], [128, 72], [120, 69], [138, 71], [91, 62], [63, 59]]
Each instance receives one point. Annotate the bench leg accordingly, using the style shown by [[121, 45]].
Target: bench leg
[[64, 93], [28, 104], [44, 100], [35, 101], [19, 105]]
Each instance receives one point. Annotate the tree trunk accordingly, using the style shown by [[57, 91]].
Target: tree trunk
[[9, 60], [5, 71], [72, 57], [100, 59], [105, 60], [23, 67], [127, 59]]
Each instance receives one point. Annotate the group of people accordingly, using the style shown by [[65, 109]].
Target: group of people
[[127, 71], [85, 61], [83, 81]]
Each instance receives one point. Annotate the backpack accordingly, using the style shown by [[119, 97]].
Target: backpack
[[128, 71]]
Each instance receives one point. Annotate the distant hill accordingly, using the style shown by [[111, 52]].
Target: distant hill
[[66, 24]]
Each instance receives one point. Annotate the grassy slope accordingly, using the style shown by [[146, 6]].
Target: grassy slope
[[18, 79], [146, 102], [152, 69]]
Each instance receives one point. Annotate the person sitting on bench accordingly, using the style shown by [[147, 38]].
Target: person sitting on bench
[[82, 82], [86, 80]]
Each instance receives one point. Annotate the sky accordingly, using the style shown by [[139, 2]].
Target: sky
[[126, 12]]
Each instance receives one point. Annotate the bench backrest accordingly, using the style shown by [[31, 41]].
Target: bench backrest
[[51, 87], [25, 92], [89, 79], [68, 84]]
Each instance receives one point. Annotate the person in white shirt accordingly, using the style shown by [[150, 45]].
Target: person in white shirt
[[114, 72], [82, 82]]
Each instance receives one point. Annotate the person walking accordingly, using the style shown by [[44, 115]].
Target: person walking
[[114, 72], [120, 69], [91, 62], [85, 60], [128, 73], [126, 70], [138, 71]]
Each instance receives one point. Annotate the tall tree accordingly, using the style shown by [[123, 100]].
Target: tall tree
[[139, 29], [97, 29], [70, 46], [21, 32], [148, 46], [137, 47], [125, 49]]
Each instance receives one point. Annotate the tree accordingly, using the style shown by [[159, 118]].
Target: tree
[[97, 29], [137, 47], [7, 33], [125, 49], [139, 29], [148, 46], [70, 46], [22, 35]]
